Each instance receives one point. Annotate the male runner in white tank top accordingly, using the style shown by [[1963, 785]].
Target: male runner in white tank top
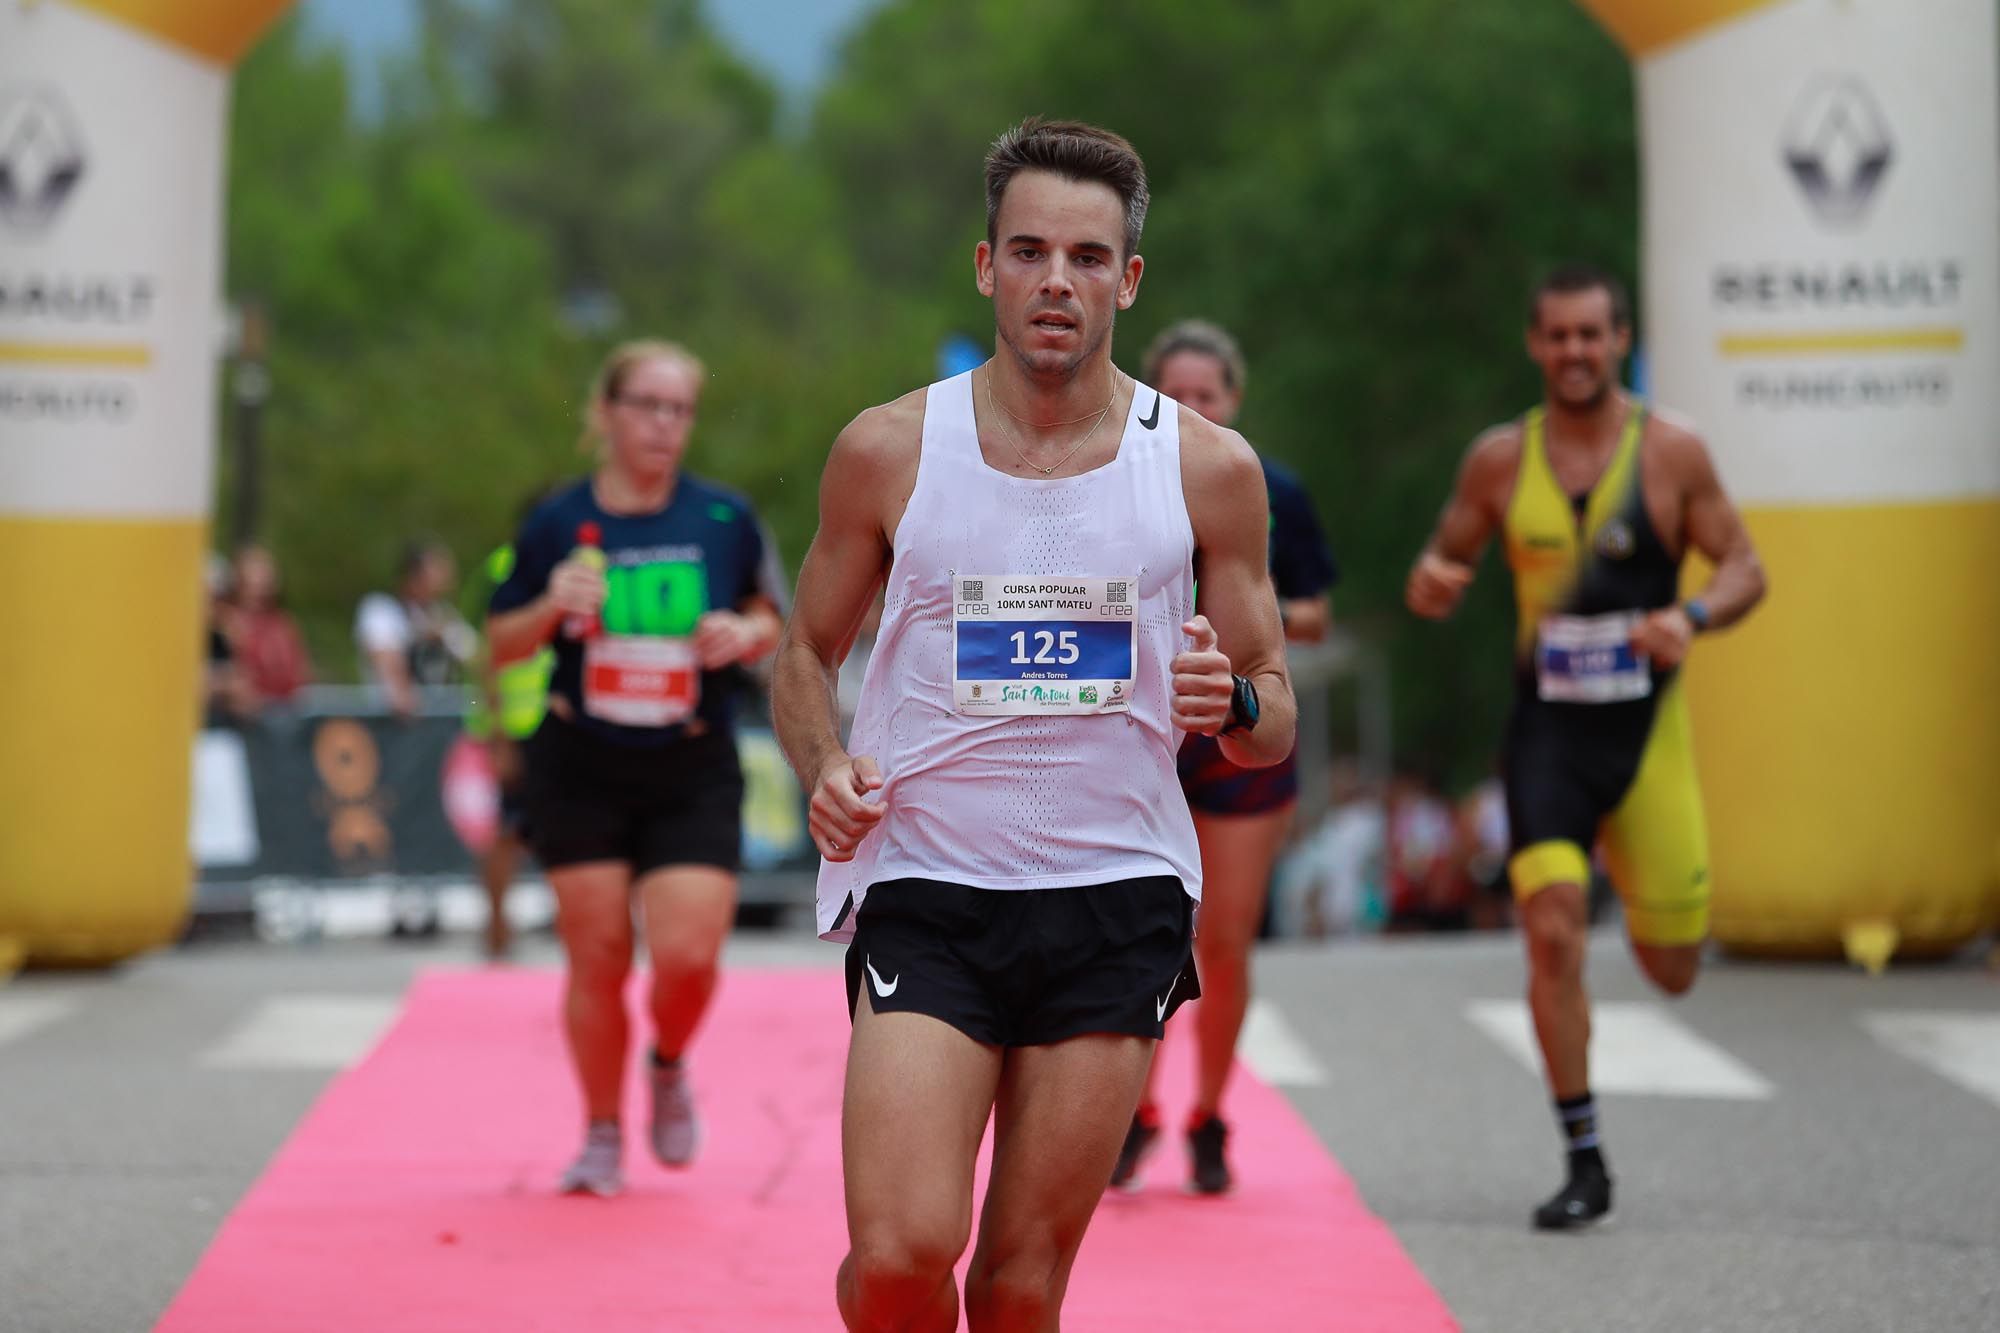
[[1005, 841]]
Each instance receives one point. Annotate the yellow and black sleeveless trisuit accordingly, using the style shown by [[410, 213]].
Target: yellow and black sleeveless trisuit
[[1598, 745]]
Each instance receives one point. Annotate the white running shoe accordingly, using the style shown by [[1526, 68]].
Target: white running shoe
[[676, 1130], [599, 1168]]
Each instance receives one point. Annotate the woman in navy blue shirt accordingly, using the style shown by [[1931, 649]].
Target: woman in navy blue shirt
[[1240, 814], [645, 580]]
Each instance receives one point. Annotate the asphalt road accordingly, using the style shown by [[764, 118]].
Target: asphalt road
[[1796, 1147]]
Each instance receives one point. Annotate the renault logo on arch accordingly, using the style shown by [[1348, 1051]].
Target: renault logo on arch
[[1838, 147], [41, 158]]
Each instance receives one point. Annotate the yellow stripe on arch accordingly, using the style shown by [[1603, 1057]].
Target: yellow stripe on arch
[[133, 356], [1841, 341], [218, 30], [1644, 26]]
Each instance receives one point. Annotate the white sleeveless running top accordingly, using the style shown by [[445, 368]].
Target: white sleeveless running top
[[1038, 801]]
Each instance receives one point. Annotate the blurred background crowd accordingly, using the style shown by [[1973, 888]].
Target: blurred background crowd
[[504, 188]]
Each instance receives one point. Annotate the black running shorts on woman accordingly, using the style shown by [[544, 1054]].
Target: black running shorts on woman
[[590, 799], [1027, 967]]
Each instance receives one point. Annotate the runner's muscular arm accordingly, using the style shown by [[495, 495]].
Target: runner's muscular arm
[[1711, 525], [843, 567], [1716, 530], [1238, 630], [1471, 516]]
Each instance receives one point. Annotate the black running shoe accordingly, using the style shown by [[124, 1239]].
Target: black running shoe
[[1139, 1141], [1208, 1173], [1586, 1199]]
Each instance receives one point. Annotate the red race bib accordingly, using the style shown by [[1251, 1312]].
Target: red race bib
[[640, 680]]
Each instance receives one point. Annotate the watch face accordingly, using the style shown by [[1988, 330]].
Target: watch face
[[1242, 706]]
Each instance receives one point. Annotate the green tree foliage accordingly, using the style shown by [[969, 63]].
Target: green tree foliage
[[1362, 191]]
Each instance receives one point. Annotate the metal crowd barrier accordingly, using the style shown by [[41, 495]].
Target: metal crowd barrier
[[338, 790]]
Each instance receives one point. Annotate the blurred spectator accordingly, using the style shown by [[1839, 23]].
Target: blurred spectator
[[1481, 855], [1424, 893], [507, 709], [269, 648], [225, 693], [415, 636], [1331, 882]]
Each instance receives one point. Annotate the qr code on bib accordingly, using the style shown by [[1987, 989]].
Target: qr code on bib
[[1115, 590], [975, 590]]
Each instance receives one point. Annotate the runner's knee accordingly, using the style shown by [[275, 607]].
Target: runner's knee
[[1014, 1290], [599, 961], [899, 1275], [683, 956], [1672, 970], [1555, 934], [1221, 947]]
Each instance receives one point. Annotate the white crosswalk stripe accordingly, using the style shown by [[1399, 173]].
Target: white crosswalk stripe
[[304, 1032], [1636, 1049], [23, 1014], [1963, 1047], [1274, 1052]]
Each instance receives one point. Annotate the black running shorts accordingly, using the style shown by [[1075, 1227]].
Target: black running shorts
[[1027, 967], [590, 799]]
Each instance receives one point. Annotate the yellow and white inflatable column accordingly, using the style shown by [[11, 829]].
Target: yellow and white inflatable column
[[1822, 296], [112, 123]]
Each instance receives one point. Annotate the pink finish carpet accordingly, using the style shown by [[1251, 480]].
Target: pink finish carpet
[[417, 1196]]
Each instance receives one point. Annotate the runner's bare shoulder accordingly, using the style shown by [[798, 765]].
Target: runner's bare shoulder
[[1216, 463], [877, 451], [1486, 477], [1678, 441]]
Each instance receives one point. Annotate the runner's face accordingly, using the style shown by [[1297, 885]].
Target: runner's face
[[1200, 381], [649, 422], [1056, 274], [1577, 346]]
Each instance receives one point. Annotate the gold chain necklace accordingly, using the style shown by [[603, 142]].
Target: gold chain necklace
[[1015, 445]]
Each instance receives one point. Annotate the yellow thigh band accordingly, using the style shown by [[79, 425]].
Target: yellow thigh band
[[1533, 869]]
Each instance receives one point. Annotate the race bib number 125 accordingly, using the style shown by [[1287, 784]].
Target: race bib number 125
[[1024, 645]]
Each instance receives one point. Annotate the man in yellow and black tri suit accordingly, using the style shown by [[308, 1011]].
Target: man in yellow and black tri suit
[[1597, 498]]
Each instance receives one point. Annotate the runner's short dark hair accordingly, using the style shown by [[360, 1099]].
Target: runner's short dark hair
[[1577, 276], [1074, 151]]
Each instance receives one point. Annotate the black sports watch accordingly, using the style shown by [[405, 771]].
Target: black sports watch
[[1242, 707]]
